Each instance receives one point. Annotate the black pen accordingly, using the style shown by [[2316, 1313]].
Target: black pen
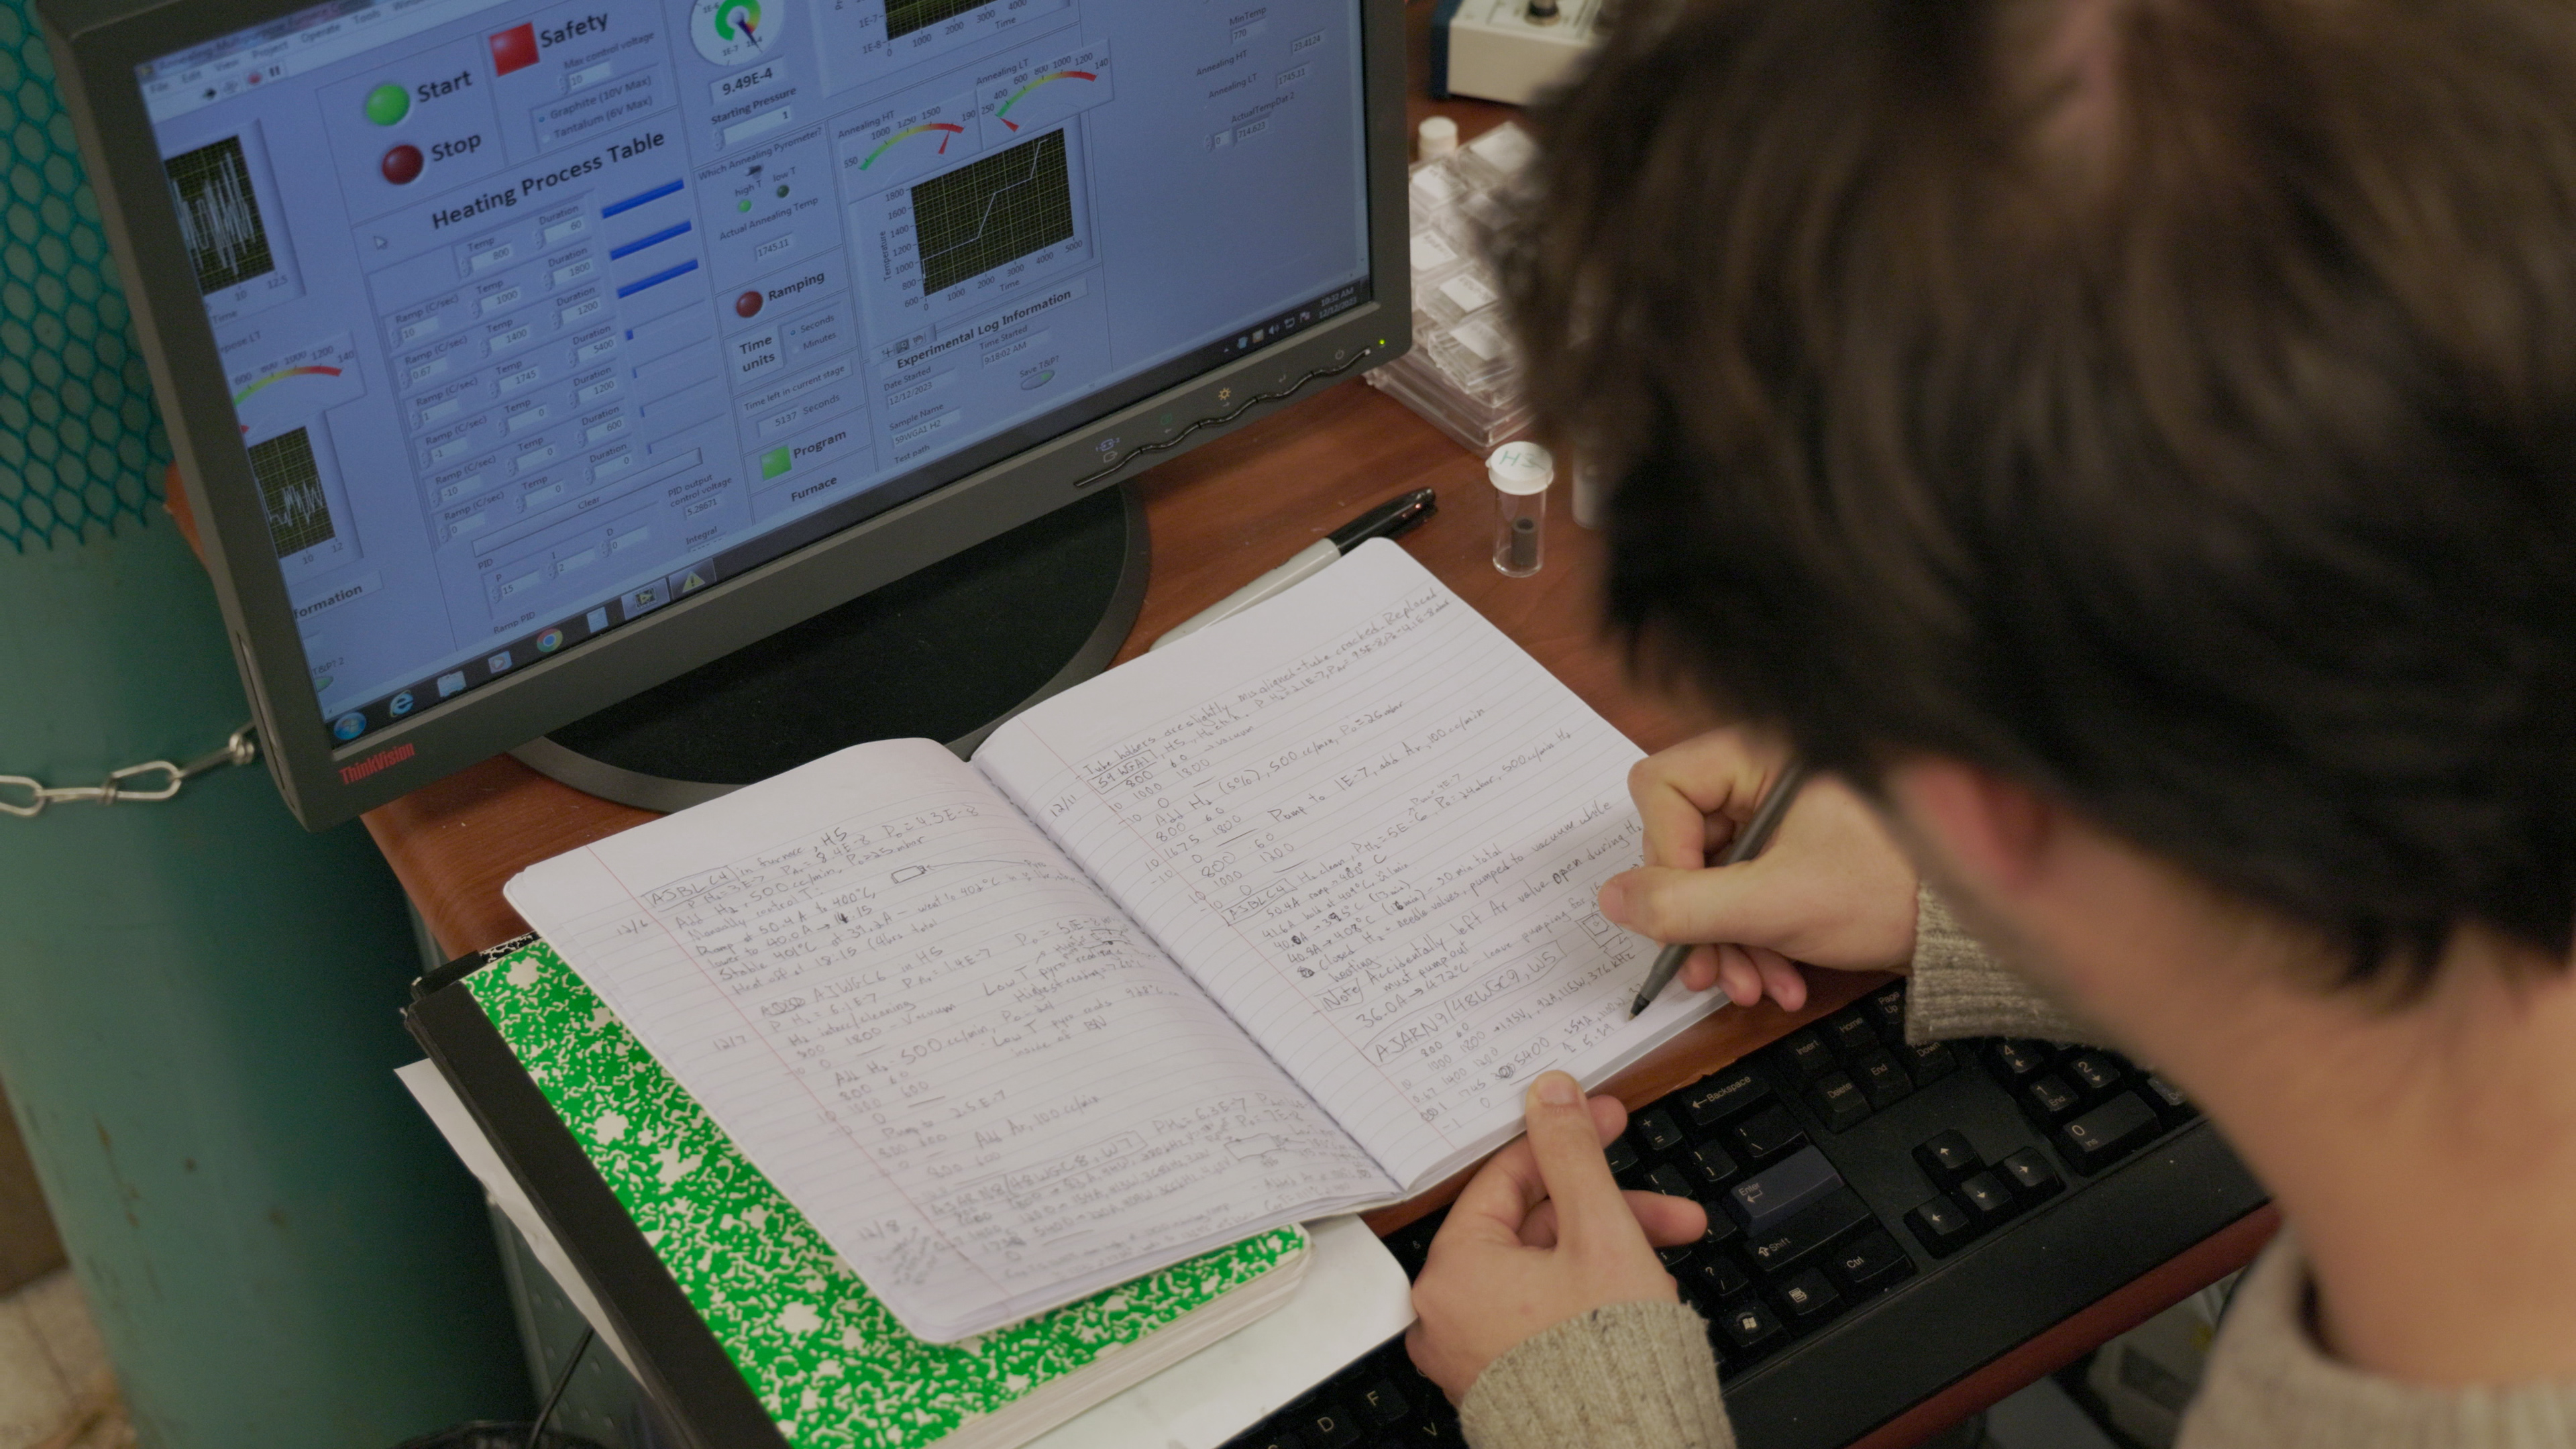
[[1384, 521], [1747, 844]]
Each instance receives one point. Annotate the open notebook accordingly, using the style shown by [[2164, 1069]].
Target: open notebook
[[1273, 923]]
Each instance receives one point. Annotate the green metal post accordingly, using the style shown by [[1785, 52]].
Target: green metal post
[[197, 999]]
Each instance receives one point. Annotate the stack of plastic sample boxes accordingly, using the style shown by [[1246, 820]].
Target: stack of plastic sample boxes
[[1462, 374]]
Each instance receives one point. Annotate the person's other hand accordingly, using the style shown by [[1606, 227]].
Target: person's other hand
[[1832, 890], [1541, 1234]]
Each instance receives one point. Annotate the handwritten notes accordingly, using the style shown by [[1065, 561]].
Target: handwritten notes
[[988, 1088], [1334, 909], [1372, 829]]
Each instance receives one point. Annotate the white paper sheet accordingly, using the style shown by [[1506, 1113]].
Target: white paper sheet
[[1373, 828]]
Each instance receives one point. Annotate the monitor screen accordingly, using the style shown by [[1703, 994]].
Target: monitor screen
[[537, 318]]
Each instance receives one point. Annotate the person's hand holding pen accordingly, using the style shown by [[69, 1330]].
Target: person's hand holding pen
[[1542, 1233], [1832, 889]]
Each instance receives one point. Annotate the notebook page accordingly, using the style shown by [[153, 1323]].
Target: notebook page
[[987, 1089], [1372, 827]]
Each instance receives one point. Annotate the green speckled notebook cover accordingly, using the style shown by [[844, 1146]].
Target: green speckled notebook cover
[[826, 1360]]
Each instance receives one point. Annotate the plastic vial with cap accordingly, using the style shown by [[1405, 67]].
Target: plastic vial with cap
[[1521, 473], [1436, 137]]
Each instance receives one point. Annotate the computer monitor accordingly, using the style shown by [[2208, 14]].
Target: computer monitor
[[522, 355]]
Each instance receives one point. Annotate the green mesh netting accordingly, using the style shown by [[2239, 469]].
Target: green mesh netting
[[81, 446]]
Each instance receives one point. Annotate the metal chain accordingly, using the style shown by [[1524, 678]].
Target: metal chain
[[241, 749]]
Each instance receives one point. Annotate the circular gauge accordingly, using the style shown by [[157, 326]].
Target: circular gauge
[[733, 32]]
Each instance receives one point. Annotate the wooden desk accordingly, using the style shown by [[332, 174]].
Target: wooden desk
[[1220, 516]]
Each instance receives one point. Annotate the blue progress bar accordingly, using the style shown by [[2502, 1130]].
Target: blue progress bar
[[658, 278], [639, 198], [640, 243]]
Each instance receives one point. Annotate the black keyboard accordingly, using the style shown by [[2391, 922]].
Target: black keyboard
[[1883, 1220]]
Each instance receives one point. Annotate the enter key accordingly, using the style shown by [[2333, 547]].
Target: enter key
[[1794, 1182]]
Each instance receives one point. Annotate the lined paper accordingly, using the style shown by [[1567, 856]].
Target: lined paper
[[1373, 829], [985, 1086]]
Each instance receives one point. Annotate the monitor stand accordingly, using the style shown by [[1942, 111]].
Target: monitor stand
[[948, 653]]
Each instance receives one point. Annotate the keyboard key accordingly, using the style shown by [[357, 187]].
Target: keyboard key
[[1803, 1239], [1806, 1050], [1747, 1326], [2049, 1100], [1668, 1180], [1943, 1226], [1328, 1426], [1713, 1165], [2171, 1106], [1871, 1262], [1622, 1154], [1721, 1228], [1728, 1094], [2095, 1072], [1887, 1010], [2032, 1179], [1986, 1199], [1807, 1298], [2017, 1061], [1851, 1034], [1717, 1277], [1766, 1134], [1837, 1099], [1948, 1157], [1929, 1062], [2106, 1134], [1656, 1130], [1280, 1440], [1674, 1257], [1383, 1402], [1781, 1190], [1881, 1078]]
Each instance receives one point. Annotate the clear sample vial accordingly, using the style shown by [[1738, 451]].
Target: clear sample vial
[[1521, 473], [1436, 137], [1591, 494]]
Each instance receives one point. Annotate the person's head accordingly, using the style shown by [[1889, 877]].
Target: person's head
[[2165, 406]]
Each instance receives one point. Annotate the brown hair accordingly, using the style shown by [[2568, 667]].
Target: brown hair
[[2168, 403]]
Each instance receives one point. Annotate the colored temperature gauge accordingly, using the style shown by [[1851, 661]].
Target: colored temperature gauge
[[733, 32]]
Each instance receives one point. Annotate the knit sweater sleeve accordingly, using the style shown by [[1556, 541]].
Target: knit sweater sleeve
[[1960, 989], [1633, 1375], [2271, 1385]]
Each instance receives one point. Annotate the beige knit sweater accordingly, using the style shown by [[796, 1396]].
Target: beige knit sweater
[[1640, 1375]]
